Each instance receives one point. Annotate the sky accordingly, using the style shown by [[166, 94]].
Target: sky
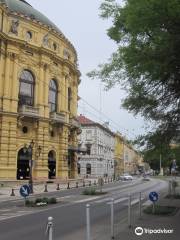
[[80, 22]]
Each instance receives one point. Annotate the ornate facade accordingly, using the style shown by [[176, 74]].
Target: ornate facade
[[38, 95]]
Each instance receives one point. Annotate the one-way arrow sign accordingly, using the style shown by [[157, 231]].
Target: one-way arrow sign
[[24, 191]]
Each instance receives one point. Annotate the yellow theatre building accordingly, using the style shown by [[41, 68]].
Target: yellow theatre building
[[39, 82]]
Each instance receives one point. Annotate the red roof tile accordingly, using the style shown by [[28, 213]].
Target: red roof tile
[[84, 120]]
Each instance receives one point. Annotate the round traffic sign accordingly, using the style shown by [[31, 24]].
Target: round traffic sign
[[24, 191], [153, 196]]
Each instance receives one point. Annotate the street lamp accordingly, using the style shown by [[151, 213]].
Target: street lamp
[[29, 151]]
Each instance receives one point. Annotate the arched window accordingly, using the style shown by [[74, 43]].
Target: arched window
[[88, 168], [26, 90], [53, 91]]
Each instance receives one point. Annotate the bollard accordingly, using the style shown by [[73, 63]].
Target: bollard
[[112, 218], [84, 184], [108, 180], [140, 206], [105, 180], [45, 188], [76, 184], [12, 193], [170, 188], [49, 228], [129, 211], [58, 187], [68, 186], [88, 236], [89, 183]]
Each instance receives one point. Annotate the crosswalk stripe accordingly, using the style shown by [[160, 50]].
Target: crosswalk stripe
[[119, 200], [103, 200], [134, 201]]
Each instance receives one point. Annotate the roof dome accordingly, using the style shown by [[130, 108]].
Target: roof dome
[[23, 7]]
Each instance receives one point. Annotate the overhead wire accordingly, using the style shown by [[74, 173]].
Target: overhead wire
[[114, 124]]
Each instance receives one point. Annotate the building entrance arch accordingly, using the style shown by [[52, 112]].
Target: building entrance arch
[[22, 165], [51, 165]]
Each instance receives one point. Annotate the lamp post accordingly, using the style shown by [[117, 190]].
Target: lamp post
[[29, 151]]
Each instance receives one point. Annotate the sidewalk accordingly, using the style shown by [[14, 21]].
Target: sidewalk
[[170, 223], [9, 188]]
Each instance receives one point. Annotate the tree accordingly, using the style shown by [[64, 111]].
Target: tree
[[147, 60]]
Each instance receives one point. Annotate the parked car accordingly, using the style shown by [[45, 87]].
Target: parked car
[[126, 176]]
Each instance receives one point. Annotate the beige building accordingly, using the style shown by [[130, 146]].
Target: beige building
[[127, 159], [39, 82]]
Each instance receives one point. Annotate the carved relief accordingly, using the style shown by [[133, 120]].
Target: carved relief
[[46, 40], [26, 59], [54, 70], [14, 26]]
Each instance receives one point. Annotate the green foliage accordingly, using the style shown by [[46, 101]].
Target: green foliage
[[40, 201], [147, 61], [160, 210], [89, 191]]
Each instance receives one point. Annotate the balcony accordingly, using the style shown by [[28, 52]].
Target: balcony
[[29, 111], [74, 123], [57, 117]]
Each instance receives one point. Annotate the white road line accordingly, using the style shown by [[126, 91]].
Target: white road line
[[134, 201], [119, 200], [85, 200], [103, 200]]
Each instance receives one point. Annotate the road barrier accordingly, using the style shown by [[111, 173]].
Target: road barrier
[[88, 236], [49, 228], [129, 211], [12, 192], [112, 218], [45, 188], [140, 206], [58, 187]]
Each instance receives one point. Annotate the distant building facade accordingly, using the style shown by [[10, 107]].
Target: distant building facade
[[98, 143], [127, 159]]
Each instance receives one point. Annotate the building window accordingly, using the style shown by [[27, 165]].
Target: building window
[[53, 92], [79, 168], [69, 99], [88, 168], [88, 149], [54, 46], [26, 91], [28, 35], [88, 135]]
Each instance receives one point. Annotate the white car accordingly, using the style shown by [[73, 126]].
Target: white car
[[126, 176]]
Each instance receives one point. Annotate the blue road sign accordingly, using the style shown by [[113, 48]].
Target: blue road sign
[[24, 191], [153, 196]]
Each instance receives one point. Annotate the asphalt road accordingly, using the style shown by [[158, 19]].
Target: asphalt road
[[69, 214]]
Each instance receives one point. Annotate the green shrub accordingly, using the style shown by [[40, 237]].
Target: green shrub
[[29, 203], [160, 210], [89, 191]]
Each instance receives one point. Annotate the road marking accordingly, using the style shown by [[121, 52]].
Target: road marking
[[134, 201], [103, 200], [119, 200], [85, 200]]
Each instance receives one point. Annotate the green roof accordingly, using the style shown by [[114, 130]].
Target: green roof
[[23, 7]]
